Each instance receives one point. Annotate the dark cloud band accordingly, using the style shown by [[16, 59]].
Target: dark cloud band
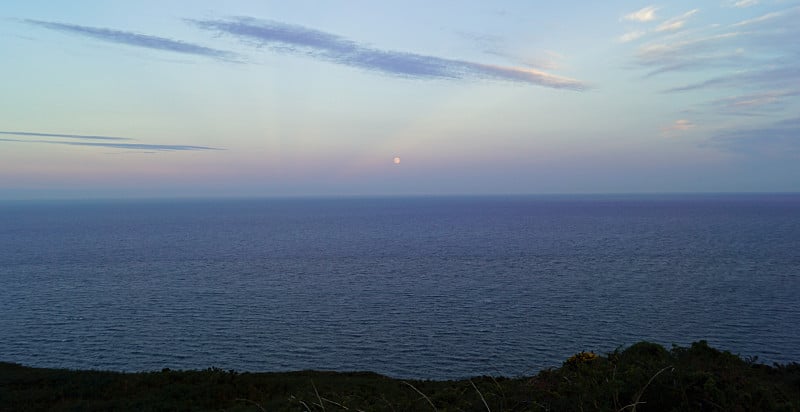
[[68, 136], [127, 146], [133, 146], [135, 39], [106, 141], [288, 38]]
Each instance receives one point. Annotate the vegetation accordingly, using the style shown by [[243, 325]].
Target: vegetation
[[643, 377]]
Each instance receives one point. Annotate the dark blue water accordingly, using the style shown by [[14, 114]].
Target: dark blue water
[[410, 287]]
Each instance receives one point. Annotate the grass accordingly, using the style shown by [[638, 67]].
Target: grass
[[643, 377]]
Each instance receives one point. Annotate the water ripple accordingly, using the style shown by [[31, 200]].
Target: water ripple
[[423, 288]]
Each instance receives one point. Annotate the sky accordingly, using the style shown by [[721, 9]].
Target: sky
[[361, 98]]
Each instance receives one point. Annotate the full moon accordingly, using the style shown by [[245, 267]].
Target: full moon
[[396, 160]]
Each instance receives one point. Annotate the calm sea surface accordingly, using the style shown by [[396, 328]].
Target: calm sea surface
[[409, 287]]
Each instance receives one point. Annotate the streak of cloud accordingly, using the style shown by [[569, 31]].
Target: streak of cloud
[[133, 146], [136, 39], [676, 23], [764, 43], [664, 53], [672, 25], [745, 3], [631, 36], [286, 38], [677, 126], [643, 15], [764, 18], [69, 136], [768, 77], [770, 101]]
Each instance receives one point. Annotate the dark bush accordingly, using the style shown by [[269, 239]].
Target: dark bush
[[643, 377]]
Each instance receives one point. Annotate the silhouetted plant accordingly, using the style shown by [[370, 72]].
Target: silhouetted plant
[[643, 377]]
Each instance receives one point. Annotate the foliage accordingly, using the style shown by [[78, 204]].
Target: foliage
[[643, 377], [579, 358]]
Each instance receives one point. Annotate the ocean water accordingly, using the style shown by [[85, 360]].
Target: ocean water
[[444, 287]]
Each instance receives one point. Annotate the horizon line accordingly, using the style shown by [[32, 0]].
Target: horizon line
[[385, 196]]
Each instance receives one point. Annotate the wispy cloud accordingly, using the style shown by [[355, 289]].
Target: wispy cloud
[[646, 14], [763, 18], [770, 77], [631, 36], [548, 61], [680, 125], [69, 136], [666, 52], [671, 25], [770, 101], [676, 23], [136, 39], [765, 43], [693, 53], [287, 38], [133, 146], [744, 3], [105, 141]]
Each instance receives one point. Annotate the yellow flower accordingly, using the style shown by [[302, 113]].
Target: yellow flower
[[581, 357]]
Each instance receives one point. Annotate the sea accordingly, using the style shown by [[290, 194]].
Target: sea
[[410, 287]]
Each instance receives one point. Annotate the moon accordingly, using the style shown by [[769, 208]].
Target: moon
[[396, 160]]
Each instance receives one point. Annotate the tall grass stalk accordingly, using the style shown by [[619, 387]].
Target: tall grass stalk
[[481, 395], [641, 391], [423, 395]]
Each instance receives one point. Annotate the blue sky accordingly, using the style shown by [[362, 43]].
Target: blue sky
[[260, 98]]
